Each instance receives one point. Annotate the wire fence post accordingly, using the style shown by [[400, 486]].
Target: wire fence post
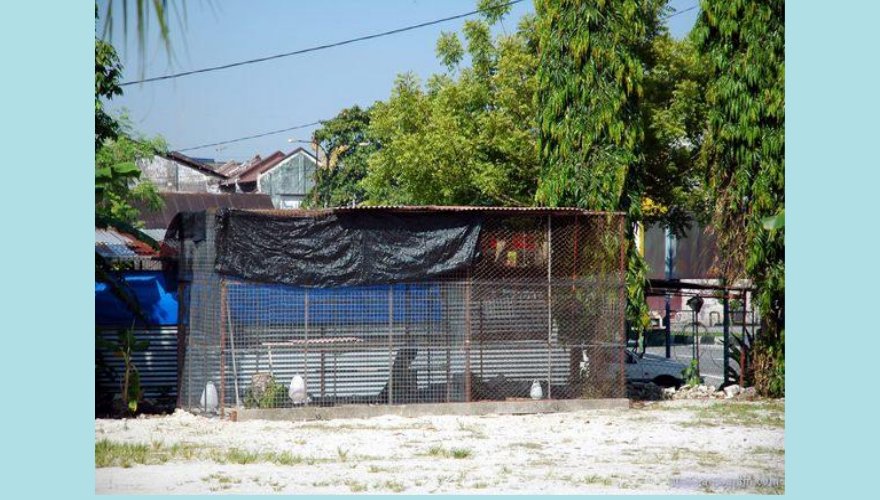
[[306, 347], [390, 344], [467, 339], [223, 307], [549, 305]]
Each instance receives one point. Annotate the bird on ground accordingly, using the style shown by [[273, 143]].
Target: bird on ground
[[536, 392], [297, 391], [209, 400]]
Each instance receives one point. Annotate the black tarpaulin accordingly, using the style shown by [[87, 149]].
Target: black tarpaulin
[[354, 248]]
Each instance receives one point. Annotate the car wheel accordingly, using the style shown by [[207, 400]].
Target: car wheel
[[666, 381]]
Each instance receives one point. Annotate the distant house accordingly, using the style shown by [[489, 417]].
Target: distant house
[[287, 179], [177, 173]]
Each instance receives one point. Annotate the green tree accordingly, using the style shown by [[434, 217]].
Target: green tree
[[592, 117], [674, 113], [744, 151], [345, 137], [468, 136], [118, 179]]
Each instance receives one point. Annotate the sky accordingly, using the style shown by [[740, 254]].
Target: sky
[[282, 93]]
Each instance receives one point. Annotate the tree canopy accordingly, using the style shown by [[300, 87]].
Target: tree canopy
[[744, 152], [467, 137]]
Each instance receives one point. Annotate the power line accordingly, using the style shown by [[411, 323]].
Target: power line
[[313, 49], [255, 136], [297, 127], [681, 12]]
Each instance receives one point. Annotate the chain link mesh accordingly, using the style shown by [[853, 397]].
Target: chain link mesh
[[539, 315]]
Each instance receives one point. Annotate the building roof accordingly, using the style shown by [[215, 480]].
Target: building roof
[[192, 163], [194, 202], [440, 208], [251, 173], [113, 244]]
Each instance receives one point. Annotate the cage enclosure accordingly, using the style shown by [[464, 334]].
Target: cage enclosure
[[397, 305]]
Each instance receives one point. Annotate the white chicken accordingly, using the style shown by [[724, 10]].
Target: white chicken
[[536, 392], [297, 391], [209, 400]]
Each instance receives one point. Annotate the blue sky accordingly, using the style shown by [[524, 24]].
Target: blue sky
[[277, 94]]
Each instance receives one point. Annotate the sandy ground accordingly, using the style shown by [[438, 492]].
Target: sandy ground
[[666, 447]]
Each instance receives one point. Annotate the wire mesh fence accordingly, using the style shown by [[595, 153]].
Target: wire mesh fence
[[537, 314]]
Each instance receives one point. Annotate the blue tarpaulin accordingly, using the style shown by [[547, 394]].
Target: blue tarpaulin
[[270, 304], [158, 300]]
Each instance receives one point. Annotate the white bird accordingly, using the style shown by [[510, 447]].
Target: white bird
[[209, 400], [585, 365], [297, 391], [536, 392]]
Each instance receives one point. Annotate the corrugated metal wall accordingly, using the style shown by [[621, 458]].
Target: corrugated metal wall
[[157, 365]]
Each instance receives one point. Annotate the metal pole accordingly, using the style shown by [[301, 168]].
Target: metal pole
[[549, 304], [181, 341], [390, 344], [467, 340], [726, 371], [306, 346], [222, 349], [669, 273]]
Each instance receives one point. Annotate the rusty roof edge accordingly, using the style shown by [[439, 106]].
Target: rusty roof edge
[[430, 208]]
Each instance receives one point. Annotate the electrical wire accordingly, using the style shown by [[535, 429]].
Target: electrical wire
[[313, 49]]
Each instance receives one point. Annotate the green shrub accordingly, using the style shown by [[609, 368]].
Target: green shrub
[[275, 396]]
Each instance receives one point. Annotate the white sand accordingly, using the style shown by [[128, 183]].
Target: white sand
[[645, 450]]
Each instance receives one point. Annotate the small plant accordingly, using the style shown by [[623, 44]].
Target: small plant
[[691, 374], [274, 395], [461, 453], [394, 486], [125, 346]]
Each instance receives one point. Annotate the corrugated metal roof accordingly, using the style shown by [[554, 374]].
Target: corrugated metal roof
[[438, 208], [112, 244]]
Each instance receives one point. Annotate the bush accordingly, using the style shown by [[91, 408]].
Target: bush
[[273, 396]]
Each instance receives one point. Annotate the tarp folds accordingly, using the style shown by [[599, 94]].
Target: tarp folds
[[156, 296], [341, 249]]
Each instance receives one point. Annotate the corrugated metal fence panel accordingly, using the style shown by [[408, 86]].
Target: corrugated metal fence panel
[[157, 365]]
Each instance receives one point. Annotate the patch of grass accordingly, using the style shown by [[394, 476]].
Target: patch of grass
[[766, 450], [479, 485], [239, 456], [596, 479], [441, 452], [355, 486], [394, 486], [740, 413], [475, 431], [528, 445], [115, 454], [287, 458], [375, 469], [112, 454], [221, 478]]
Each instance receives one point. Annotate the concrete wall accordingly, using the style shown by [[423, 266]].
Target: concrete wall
[[170, 176]]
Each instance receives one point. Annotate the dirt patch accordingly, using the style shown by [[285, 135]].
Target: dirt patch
[[663, 447]]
